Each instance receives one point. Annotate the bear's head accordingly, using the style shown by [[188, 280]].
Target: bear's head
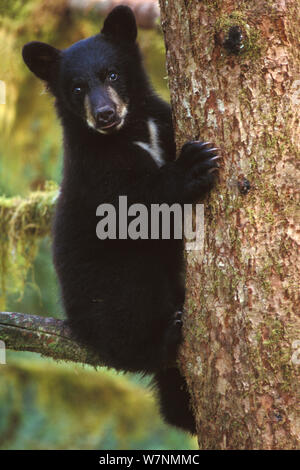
[[95, 79]]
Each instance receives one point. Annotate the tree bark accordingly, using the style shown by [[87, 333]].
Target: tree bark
[[234, 80]]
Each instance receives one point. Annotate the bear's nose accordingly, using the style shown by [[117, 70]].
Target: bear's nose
[[105, 115]]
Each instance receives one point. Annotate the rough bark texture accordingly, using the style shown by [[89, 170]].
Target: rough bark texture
[[240, 355]]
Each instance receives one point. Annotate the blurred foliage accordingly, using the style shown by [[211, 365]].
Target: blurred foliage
[[54, 408], [22, 223], [44, 405]]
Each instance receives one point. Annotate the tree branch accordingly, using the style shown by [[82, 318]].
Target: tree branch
[[45, 335]]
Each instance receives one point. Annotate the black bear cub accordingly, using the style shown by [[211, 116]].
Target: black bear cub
[[123, 297]]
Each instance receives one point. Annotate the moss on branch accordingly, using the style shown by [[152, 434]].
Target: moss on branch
[[48, 336]]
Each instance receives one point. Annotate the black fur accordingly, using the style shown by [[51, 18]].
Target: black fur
[[121, 297]]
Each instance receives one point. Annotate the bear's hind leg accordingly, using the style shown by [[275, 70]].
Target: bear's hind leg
[[174, 399]]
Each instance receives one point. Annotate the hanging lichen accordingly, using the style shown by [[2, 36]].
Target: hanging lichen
[[22, 223]]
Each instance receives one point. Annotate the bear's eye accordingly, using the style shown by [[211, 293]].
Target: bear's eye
[[77, 90], [112, 76]]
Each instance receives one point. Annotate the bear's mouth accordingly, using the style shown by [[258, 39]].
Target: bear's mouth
[[111, 125], [116, 125]]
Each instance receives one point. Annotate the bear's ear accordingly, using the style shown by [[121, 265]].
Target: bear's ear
[[120, 24], [41, 59]]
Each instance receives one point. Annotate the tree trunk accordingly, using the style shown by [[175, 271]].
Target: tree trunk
[[234, 80]]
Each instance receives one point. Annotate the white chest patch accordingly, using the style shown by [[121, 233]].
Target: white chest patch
[[153, 146]]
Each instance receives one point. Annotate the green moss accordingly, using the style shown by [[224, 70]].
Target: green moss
[[212, 5], [252, 41], [272, 355], [22, 223], [251, 215], [192, 307], [65, 408]]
